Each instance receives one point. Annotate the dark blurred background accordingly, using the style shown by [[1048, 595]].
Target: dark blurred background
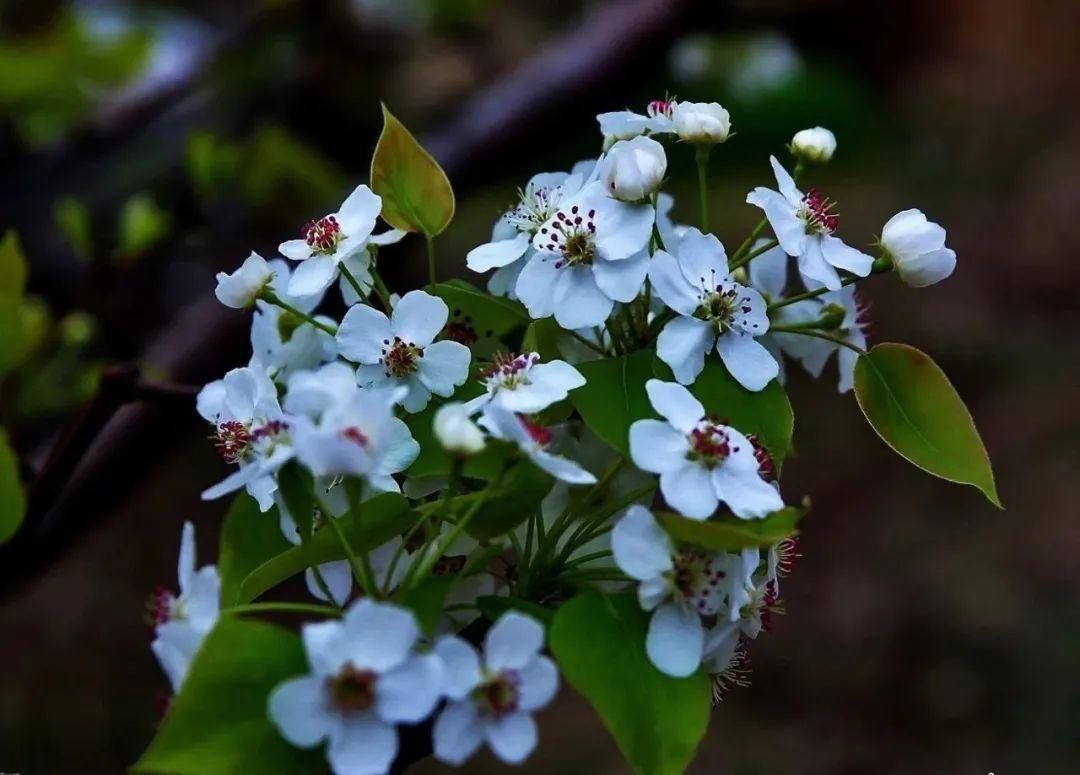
[[146, 145]]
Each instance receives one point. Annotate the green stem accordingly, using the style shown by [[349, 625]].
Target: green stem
[[351, 279], [817, 335], [746, 243], [752, 255], [284, 608], [810, 294], [432, 278], [381, 289], [361, 566], [702, 157], [272, 298], [594, 347]]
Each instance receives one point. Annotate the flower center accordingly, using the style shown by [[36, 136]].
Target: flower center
[[660, 108], [536, 205], [448, 565], [352, 690], [764, 604], [323, 235], [709, 444], [816, 211], [399, 358], [572, 234], [538, 433], [697, 576], [232, 441], [766, 467], [499, 695], [355, 435], [509, 372], [162, 607]]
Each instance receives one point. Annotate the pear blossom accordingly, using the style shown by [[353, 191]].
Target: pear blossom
[[714, 311], [700, 461], [183, 620], [491, 699], [523, 384], [282, 342], [535, 441], [366, 678], [678, 585], [631, 170], [250, 431], [456, 431], [701, 122], [816, 145], [240, 289], [511, 238], [590, 254], [626, 124], [804, 226], [917, 248], [334, 238], [814, 353], [400, 350], [311, 392]]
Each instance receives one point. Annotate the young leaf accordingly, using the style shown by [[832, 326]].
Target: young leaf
[[613, 396], [914, 408], [12, 500], [730, 534], [217, 724], [416, 195], [248, 539], [142, 225], [657, 720]]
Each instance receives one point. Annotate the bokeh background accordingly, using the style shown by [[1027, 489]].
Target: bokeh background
[[145, 145]]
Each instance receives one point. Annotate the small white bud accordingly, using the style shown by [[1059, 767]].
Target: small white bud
[[701, 122], [240, 289], [456, 431], [634, 169], [816, 144], [917, 249]]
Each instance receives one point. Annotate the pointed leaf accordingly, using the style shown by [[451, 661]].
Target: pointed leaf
[[248, 539], [613, 396], [416, 195], [909, 401]]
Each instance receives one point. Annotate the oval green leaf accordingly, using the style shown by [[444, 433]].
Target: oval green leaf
[[248, 539], [913, 407], [613, 396], [416, 194], [730, 534], [12, 499], [488, 316], [656, 720]]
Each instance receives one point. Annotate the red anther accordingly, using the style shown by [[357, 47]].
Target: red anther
[[232, 440], [538, 433], [323, 235], [355, 435], [818, 211]]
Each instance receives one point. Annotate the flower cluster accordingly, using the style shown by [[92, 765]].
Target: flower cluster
[[615, 431]]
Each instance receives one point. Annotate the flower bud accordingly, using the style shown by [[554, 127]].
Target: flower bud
[[917, 249], [240, 289], [701, 122], [815, 145], [456, 431], [633, 169]]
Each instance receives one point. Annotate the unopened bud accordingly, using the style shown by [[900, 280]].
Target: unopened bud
[[456, 431], [815, 145]]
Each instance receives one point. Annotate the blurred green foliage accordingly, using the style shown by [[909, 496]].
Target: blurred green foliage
[[141, 226]]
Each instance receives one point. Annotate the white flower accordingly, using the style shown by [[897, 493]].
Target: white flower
[[590, 254], [917, 248], [534, 440], [700, 461], [399, 350], [714, 310], [678, 585], [816, 144], [492, 700], [240, 289], [250, 431], [701, 122], [456, 431], [814, 353], [365, 679], [311, 393], [804, 225], [633, 169], [334, 238], [184, 620], [511, 239], [625, 124], [523, 384], [360, 436], [282, 342]]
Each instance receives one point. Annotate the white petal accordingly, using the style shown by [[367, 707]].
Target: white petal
[[461, 666], [790, 230], [296, 249], [737, 483], [363, 334], [338, 578], [409, 692], [362, 745], [702, 259], [813, 266], [675, 640], [211, 402], [513, 641], [359, 266], [379, 635], [671, 285], [909, 233], [416, 400], [497, 254], [785, 182], [653, 591], [388, 237], [185, 564], [768, 272], [562, 468], [682, 346], [444, 366], [397, 449], [927, 268], [324, 644], [503, 281], [622, 280], [641, 548], [512, 737], [358, 212], [419, 317], [298, 709], [458, 732], [845, 257], [688, 491], [539, 681], [656, 447], [536, 285], [621, 229], [747, 360], [579, 302], [675, 404], [313, 275]]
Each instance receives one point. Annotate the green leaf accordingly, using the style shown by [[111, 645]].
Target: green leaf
[[657, 720], [426, 600], [12, 499], [298, 492], [372, 524], [13, 268], [218, 724], [493, 607], [613, 396], [767, 413], [142, 225], [416, 195], [12, 286], [489, 316], [248, 539], [730, 534], [517, 495], [542, 337], [914, 408]]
